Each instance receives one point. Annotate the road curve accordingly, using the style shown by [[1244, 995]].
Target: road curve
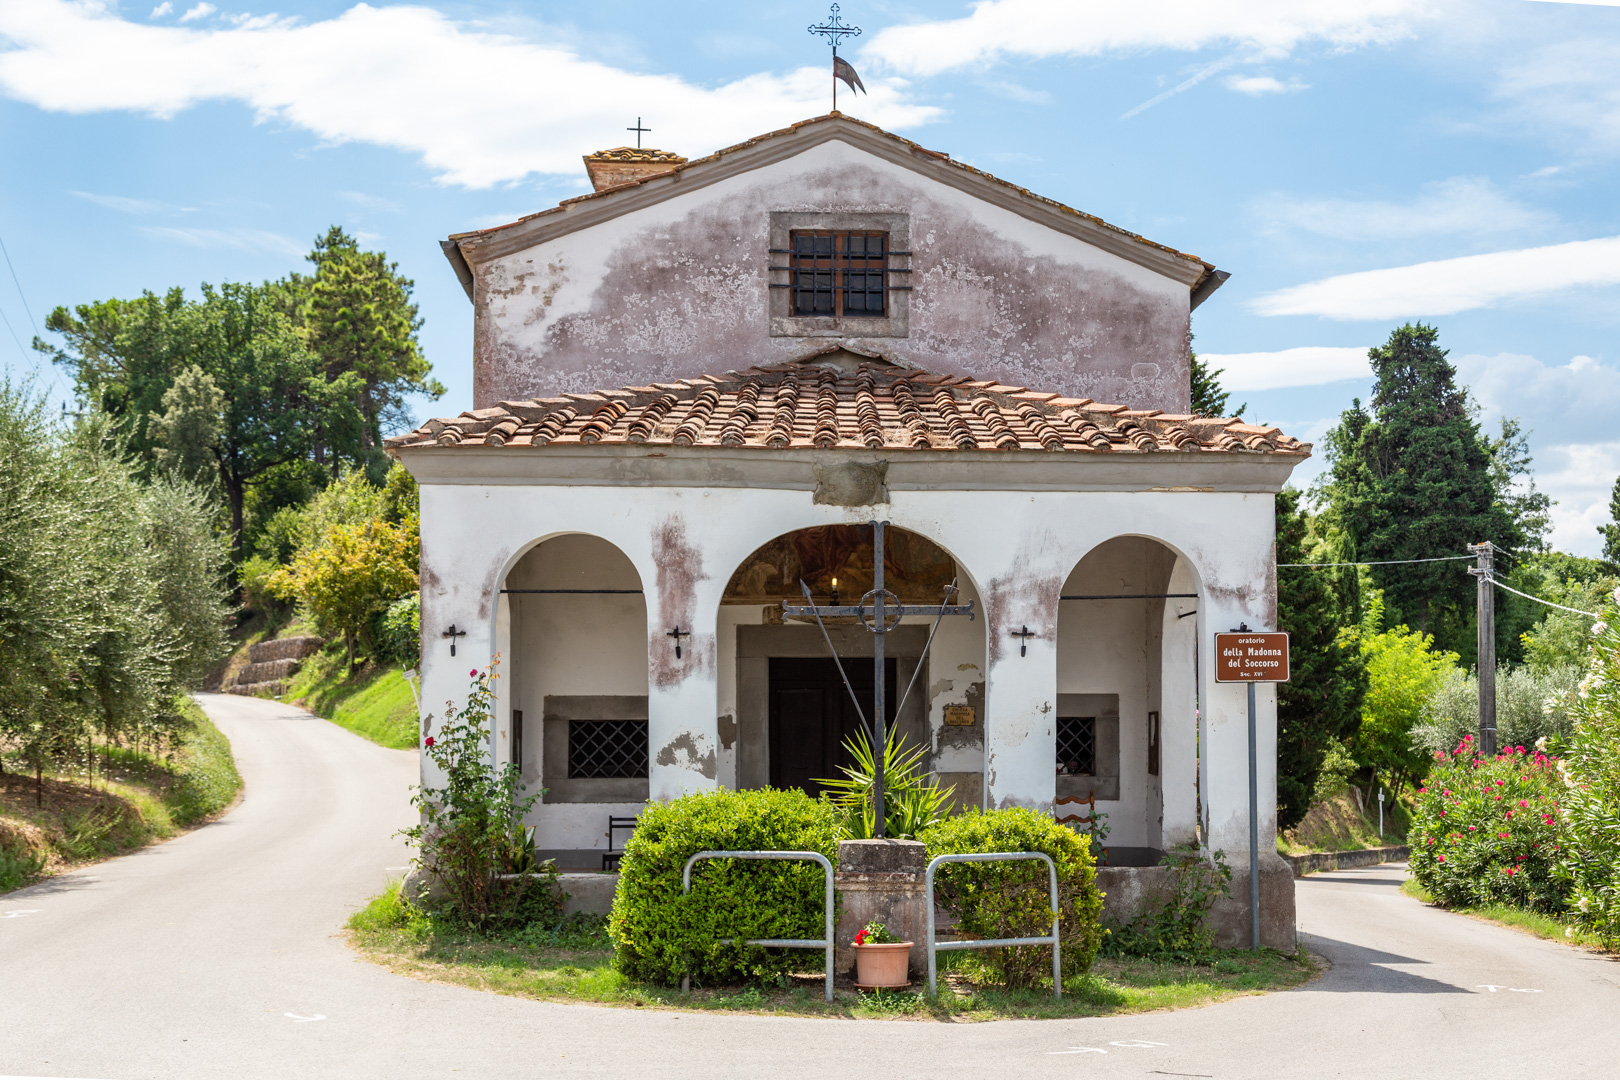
[[218, 955]]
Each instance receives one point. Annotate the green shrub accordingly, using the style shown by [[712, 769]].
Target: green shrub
[[912, 797], [471, 839], [19, 864], [1177, 929], [399, 632], [1012, 899], [1487, 831], [659, 935], [1591, 820], [205, 776]]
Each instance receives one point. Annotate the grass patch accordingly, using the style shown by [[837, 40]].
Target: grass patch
[[374, 702], [574, 962], [1549, 927], [1338, 824], [138, 799]]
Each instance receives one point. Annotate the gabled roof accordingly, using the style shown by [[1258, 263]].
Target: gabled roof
[[470, 248], [843, 399]]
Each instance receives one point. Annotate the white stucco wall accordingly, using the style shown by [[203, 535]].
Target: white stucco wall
[[658, 292], [1017, 548]]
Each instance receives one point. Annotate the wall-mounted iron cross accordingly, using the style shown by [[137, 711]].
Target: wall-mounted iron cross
[[1024, 633], [880, 611], [638, 129], [452, 634], [677, 634]]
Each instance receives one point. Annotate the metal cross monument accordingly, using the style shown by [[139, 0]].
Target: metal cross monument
[[884, 610], [834, 31]]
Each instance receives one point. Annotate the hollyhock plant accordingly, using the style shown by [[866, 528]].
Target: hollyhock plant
[[1486, 831]]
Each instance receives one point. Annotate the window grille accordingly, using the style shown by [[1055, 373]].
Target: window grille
[[1076, 746], [607, 749], [839, 273]]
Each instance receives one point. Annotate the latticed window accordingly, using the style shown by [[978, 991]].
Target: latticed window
[[840, 273], [607, 749], [1076, 746]]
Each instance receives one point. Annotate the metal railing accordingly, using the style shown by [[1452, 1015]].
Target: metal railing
[[935, 947], [776, 943]]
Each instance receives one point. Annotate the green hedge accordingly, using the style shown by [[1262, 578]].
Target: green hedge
[[659, 935], [206, 780], [1012, 899]]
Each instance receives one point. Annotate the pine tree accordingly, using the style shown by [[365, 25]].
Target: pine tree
[[1611, 533], [1321, 702], [1208, 399], [1414, 479]]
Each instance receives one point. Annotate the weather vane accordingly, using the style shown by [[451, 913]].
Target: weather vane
[[835, 31]]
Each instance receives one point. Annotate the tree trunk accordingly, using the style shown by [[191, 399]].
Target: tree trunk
[[235, 491], [39, 782]]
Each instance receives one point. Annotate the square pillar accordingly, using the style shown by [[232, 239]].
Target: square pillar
[[1020, 732]]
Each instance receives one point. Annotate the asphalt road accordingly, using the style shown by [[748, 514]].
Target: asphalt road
[[218, 955]]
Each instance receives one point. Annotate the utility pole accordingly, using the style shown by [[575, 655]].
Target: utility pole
[[1486, 620]]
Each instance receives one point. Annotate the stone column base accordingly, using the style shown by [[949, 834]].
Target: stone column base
[[881, 881]]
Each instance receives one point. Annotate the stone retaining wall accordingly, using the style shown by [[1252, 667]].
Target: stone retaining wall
[[287, 648], [1344, 860]]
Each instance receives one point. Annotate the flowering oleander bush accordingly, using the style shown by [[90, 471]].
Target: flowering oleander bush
[[1487, 831], [1591, 794]]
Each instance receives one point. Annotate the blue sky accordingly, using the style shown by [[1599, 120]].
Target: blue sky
[[1352, 164]]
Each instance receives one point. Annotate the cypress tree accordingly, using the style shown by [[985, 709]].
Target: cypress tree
[[1321, 702], [1414, 480]]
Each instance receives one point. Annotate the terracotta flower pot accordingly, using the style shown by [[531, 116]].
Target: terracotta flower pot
[[882, 965]]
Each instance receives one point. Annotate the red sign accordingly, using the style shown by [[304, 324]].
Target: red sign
[[1251, 657]]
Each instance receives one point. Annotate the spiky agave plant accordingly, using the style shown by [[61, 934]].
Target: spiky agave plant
[[913, 799]]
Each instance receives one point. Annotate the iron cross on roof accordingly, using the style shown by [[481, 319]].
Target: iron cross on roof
[[638, 129], [884, 610], [835, 31]]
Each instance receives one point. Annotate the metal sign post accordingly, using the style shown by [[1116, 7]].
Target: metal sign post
[[1252, 657], [885, 611]]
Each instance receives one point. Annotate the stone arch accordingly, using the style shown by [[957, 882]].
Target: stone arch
[[758, 646], [1128, 690]]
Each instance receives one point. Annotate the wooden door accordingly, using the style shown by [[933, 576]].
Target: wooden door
[[811, 715]]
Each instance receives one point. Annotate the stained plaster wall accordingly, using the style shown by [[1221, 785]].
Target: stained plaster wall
[[1016, 547], [680, 288]]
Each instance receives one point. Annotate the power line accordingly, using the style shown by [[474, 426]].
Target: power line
[[1386, 562], [17, 283], [1549, 603], [14, 336]]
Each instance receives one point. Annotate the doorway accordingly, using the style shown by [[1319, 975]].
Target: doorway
[[811, 715]]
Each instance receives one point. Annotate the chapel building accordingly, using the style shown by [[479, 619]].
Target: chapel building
[[697, 386]]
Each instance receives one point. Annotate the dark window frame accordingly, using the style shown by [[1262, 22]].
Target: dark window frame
[[607, 750], [836, 273], [1076, 742]]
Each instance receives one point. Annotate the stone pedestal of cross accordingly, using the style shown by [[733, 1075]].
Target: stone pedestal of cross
[[879, 611]]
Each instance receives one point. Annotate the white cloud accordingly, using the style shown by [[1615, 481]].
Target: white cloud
[[239, 239], [1255, 85], [479, 107], [1186, 84], [1310, 365], [122, 203], [1462, 205], [201, 11], [165, 8], [1447, 286], [1566, 88], [1549, 170], [1044, 28], [1569, 410]]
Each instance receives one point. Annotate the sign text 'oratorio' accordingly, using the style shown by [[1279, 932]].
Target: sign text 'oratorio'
[[1251, 657]]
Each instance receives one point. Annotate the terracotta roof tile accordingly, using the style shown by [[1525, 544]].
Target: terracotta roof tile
[[871, 404]]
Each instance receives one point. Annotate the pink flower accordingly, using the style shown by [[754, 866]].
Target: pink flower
[[1524, 802], [1510, 815], [473, 674], [1510, 871], [1502, 835], [1442, 858], [1471, 828]]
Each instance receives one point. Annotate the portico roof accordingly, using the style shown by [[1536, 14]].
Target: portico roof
[[841, 399]]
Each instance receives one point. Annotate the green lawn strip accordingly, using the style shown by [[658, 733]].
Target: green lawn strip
[[1549, 927], [375, 703], [576, 964], [138, 799]]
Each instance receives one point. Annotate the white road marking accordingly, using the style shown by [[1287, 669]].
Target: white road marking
[[295, 1018], [1510, 989], [1142, 1044], [1077, 1050], [16, 913]]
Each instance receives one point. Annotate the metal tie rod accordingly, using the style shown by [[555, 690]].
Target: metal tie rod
[[935, 946], [825, 943]]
